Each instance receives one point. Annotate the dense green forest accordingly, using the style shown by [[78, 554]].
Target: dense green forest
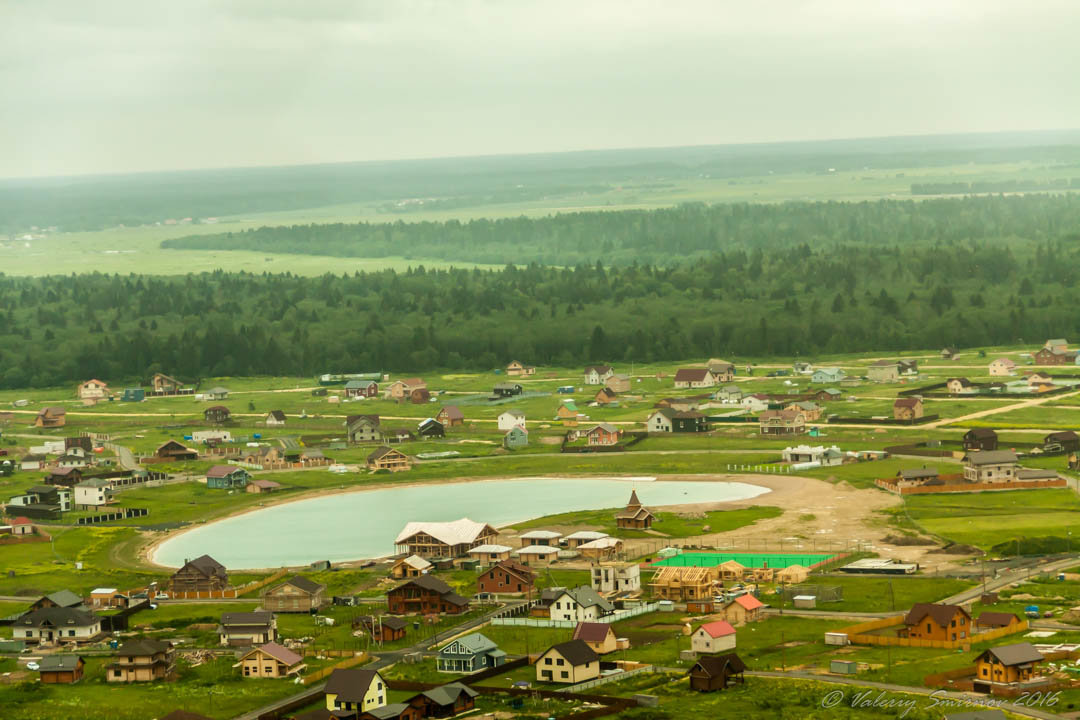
[[96, 202], [788, 280], [676, 235]]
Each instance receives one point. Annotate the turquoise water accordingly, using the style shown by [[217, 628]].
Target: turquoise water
[[351, 526]]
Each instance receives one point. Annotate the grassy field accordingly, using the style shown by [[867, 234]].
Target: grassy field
[[670, 524], [877, 594], [987, 519]]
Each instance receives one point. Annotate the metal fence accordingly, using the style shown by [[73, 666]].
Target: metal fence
[[546, 622]]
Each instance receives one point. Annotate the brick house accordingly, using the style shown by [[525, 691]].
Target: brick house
[[907, 408], [202, 574], [427, 595]]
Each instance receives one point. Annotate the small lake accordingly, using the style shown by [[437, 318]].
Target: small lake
[[364, 524]]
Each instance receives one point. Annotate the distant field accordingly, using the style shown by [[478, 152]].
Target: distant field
[[987, 519]]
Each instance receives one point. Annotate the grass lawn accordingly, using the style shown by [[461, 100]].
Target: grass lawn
[[675, 525], [877, 594], [988, 519]]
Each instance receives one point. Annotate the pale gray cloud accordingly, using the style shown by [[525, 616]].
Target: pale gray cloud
[[121, 85]]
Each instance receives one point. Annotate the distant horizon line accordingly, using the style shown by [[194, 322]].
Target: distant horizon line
[[13, 179]]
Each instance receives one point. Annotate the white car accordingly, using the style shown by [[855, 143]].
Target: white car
[[338, 469], [32, 665]]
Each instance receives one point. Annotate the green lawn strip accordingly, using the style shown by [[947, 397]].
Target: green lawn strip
[[877, 594], [671, 524], [988, 519]]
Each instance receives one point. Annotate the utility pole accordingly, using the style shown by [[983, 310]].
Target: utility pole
[[783, 652]]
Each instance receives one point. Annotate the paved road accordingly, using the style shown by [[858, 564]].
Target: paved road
[[939, 695]]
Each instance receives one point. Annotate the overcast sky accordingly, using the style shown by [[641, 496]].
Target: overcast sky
[[122, 85]]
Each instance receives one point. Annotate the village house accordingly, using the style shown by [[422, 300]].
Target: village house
[[263, 454], [537, 555], [447, 700], [297, 594], [55, 624], [275, 418], [755, 403], [743, 609], [916, 477], [827, 375], [270, 661], [616, 578], [60, 669], [1061, 441], [216, 393], [402, 390], [980, 439], [598, 636], [511, 419], [261, 485], [226, 477], [203, 574], [597, 374], [826, 395], [93, 493], [58, 599], [387, 458], [516, 437], [93, 390], [430, 428], [487, 555], [991, 466], [959, 386], [603, 434], [469, 654], [716, 672], [713, 637], [728, 394], [568, 414], [409, 567], [605, 396], [731, 570], [782, 422], [426, 595], [1055, 352], [581, 604], [216, 414], [681, 404], [634, 516], [516, 369], [361, 389], [64, 476], [931, 621], [363, 429], [175, 451], [811, 411], [444, 539], [506, 389], [51, 417], [886, 371], [820, 454], [1002, 367], [241, 629], [694, 378], [661, 420], [683, 584], [351, 689], [618, 383], [508, 576], [606, 548], [108, 598], [792, 575], [32, 461], [540, 537], [907, 408], [382, 629], [22, 526], [570, 663], [141, 660], [162, 383], [995, 620], [1008, 664], [907, 368], [450, 416], [722, 370]]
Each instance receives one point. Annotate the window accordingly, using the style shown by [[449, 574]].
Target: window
[[560, 662], [564, 674], [547, 661], [117, 673]]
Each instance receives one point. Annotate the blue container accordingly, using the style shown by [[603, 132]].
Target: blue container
[[188, 437], [257, 436]]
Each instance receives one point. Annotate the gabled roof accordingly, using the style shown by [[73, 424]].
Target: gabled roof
[[453, 412], [366, 419], [206, 565], [541, 535], [490, 548], [575, 652], [427, 582], [475, 643], [447, 695], [278, 415], [586, 597], [58, 663], [64, 598], [259, 617], [458, 532], [350, 684], [603, 543], [279, 653], [602, 427], [57, 617], [996, 619], [142, 647], [383, 451], [600, 369], [592, 631], [718, 665], [908, 402], [940, 614], [586, 535], [720, 628], [990, 457], [749, 602], [221, 471], [980, 433], [301, 582], [513, 413], [692, 374], [1015, 654]]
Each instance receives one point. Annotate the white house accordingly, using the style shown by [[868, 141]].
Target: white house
[[93, 390], [1003, 367], [729, 394], [755, 403], [275, 418], [201, 436], [53, 624], [694, 378], [616, 578], [713, 637], [828, 375], [660, 420], [813, 454], [597, 374], [93, 493], [511, 419], [582, 604]]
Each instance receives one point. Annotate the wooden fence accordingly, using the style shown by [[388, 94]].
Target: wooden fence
[[325, 672], [860, 635]]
